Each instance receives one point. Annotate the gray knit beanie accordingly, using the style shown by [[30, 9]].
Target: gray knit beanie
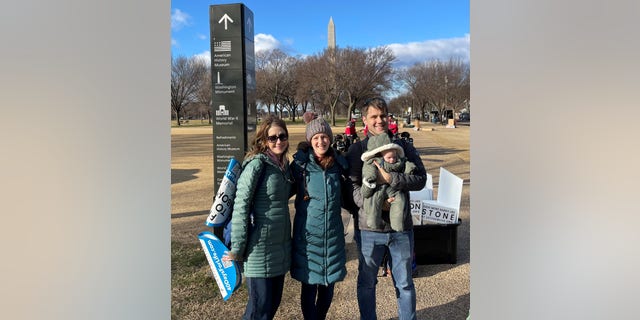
[[308, 116], [316, 126]]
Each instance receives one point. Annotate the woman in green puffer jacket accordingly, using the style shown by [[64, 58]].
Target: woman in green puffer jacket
[[260, 223], [318, 233]]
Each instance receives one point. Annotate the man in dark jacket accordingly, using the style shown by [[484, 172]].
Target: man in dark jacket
[[373, 242]]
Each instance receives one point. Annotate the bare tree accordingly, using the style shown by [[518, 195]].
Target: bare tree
[[290, 83], [414, 79], [364, 74], [438, 86], [262, 80], [458, 85], [314, 82], [271, 73], [305, 92], [342, 77], [402, 103], [203, 95], [323, 72], [186, 79]]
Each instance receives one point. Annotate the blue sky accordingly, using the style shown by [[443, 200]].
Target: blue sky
[[415, 30]]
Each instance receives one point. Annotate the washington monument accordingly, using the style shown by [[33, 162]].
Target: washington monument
[[332, 35]]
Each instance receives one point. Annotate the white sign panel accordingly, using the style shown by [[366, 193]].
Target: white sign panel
[[416, 197], [446, 208], [435, 212]]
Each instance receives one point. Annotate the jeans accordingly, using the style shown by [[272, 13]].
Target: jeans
[[372, 248], [315, 300], [264, 297]]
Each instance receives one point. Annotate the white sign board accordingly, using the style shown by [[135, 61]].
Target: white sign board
[[446, 208], [432, 211], [416, 197]]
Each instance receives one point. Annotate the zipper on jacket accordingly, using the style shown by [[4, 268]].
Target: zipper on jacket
[[326, 222]]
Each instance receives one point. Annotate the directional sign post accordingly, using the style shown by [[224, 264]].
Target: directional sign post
[[233, 79], [233, 75]]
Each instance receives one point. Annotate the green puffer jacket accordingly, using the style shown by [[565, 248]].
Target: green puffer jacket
[[264, 190], [318, 233]]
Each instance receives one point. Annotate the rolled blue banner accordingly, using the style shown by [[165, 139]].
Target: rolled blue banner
[[223, 201], [226, 273]]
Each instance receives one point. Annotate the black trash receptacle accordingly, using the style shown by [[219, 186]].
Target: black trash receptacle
[[436, 243]]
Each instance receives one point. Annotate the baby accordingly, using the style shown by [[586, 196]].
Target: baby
[[390, 156]]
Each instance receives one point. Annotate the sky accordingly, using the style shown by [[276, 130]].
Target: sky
[[415, 30]]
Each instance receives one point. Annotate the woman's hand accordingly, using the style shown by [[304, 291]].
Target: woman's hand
[[229, 257]]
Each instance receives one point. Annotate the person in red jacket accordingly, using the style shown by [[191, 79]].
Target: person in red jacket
[[393, 125]]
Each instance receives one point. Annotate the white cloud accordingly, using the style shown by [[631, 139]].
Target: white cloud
[[263, 42], [179, 19], [202, 36], [174, 42], [408, 54], [206, 56]]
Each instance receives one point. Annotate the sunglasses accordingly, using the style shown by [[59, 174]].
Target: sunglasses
[[283, 137]]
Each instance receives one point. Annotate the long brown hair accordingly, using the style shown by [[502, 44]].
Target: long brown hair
[[259, 141], [326, 161]]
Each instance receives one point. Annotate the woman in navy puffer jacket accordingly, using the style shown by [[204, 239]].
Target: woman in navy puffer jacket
[[318, 246]]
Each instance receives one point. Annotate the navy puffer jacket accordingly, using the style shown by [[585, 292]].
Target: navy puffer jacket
[[318, 233]]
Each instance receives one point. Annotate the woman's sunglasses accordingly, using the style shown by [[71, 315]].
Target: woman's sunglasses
[[283, 137]]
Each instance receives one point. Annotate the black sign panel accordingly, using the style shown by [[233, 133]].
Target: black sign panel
[[226, 20], [233, 75], [227, 54]]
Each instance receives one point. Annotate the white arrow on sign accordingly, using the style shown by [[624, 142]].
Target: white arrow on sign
[[226, 19]]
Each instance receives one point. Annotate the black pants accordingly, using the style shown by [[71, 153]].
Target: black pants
[[264, 297], [315, 300]]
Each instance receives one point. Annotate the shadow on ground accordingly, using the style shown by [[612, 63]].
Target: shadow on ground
[[189, 214], [432, 151], [182, 175], [446, 311]]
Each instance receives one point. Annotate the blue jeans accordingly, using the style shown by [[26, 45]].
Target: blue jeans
[[372, 247], [315, 300], [265, 295]]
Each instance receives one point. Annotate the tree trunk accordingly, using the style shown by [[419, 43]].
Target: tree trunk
[[178, 117]]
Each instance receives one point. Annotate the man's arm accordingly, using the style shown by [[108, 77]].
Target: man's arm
[[355, 174]]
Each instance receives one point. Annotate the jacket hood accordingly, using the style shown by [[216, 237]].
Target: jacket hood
[[380, 143]]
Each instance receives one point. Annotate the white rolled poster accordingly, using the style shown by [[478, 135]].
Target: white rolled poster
[[223, 201]]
